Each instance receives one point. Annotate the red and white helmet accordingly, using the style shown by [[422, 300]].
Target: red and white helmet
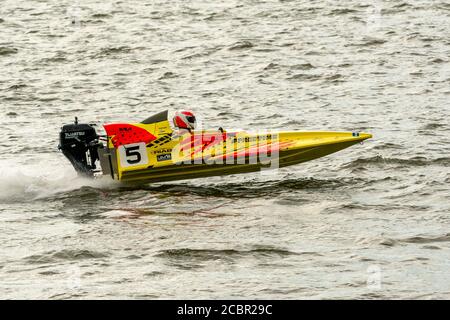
[[184, 119]]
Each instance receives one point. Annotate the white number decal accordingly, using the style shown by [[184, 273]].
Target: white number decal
[[134, 154]]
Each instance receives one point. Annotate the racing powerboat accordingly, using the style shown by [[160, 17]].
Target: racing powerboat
[[152, 150]]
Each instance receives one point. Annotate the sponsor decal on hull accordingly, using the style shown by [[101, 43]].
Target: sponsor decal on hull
[[164, 157]]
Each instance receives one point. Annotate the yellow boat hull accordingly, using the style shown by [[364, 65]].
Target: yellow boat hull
[[213, 153], [151, 151]]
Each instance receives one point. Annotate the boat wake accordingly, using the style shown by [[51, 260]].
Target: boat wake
[[34, 182]]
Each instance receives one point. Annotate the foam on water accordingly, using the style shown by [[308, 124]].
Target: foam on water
[[40, 181]]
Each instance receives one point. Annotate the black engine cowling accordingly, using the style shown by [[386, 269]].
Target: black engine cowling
[[79, 143]]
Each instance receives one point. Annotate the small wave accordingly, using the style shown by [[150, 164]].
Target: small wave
[[271, 66], [55, 59], [121, 213], [403, 5], [217, 254], [334, 78], [444, 6], [414, 161], [101, 15], [390, 242], [302, 66], [1, 20], [5, 51], [438, 61], [421, 239], [112, 51], [312, 183], [224, 113], [168, 75], [388, 145], [430, 39], [431, 247], [255, 189], [313, 53], [338, 12], [17, 86], [345, 65], [305, 77], [210, 94], [154, 210], [204, 53], [158, 61], [382, 207], [241, 45], [55, 256], [433, 126], [416, 259], [293, 123], [369, 42]]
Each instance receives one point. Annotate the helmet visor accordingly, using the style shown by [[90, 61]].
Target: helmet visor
[[191, 119]]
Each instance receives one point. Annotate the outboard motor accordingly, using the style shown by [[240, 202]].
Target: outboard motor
[[79, 143]]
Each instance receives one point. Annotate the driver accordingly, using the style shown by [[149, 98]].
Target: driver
[[184, 121]]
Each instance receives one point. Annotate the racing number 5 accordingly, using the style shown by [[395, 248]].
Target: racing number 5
[[133, 152]]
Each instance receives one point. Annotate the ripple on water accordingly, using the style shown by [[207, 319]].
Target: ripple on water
[[112, 51], [241, 45], [413, 161], [168, 75], [342, 11], [253, 189], [433, 126], [6, 51], [65, 254], [230, 255], [101, 15], [390, 242]]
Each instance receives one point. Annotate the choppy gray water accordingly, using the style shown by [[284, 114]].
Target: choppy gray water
[[369, 222]]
